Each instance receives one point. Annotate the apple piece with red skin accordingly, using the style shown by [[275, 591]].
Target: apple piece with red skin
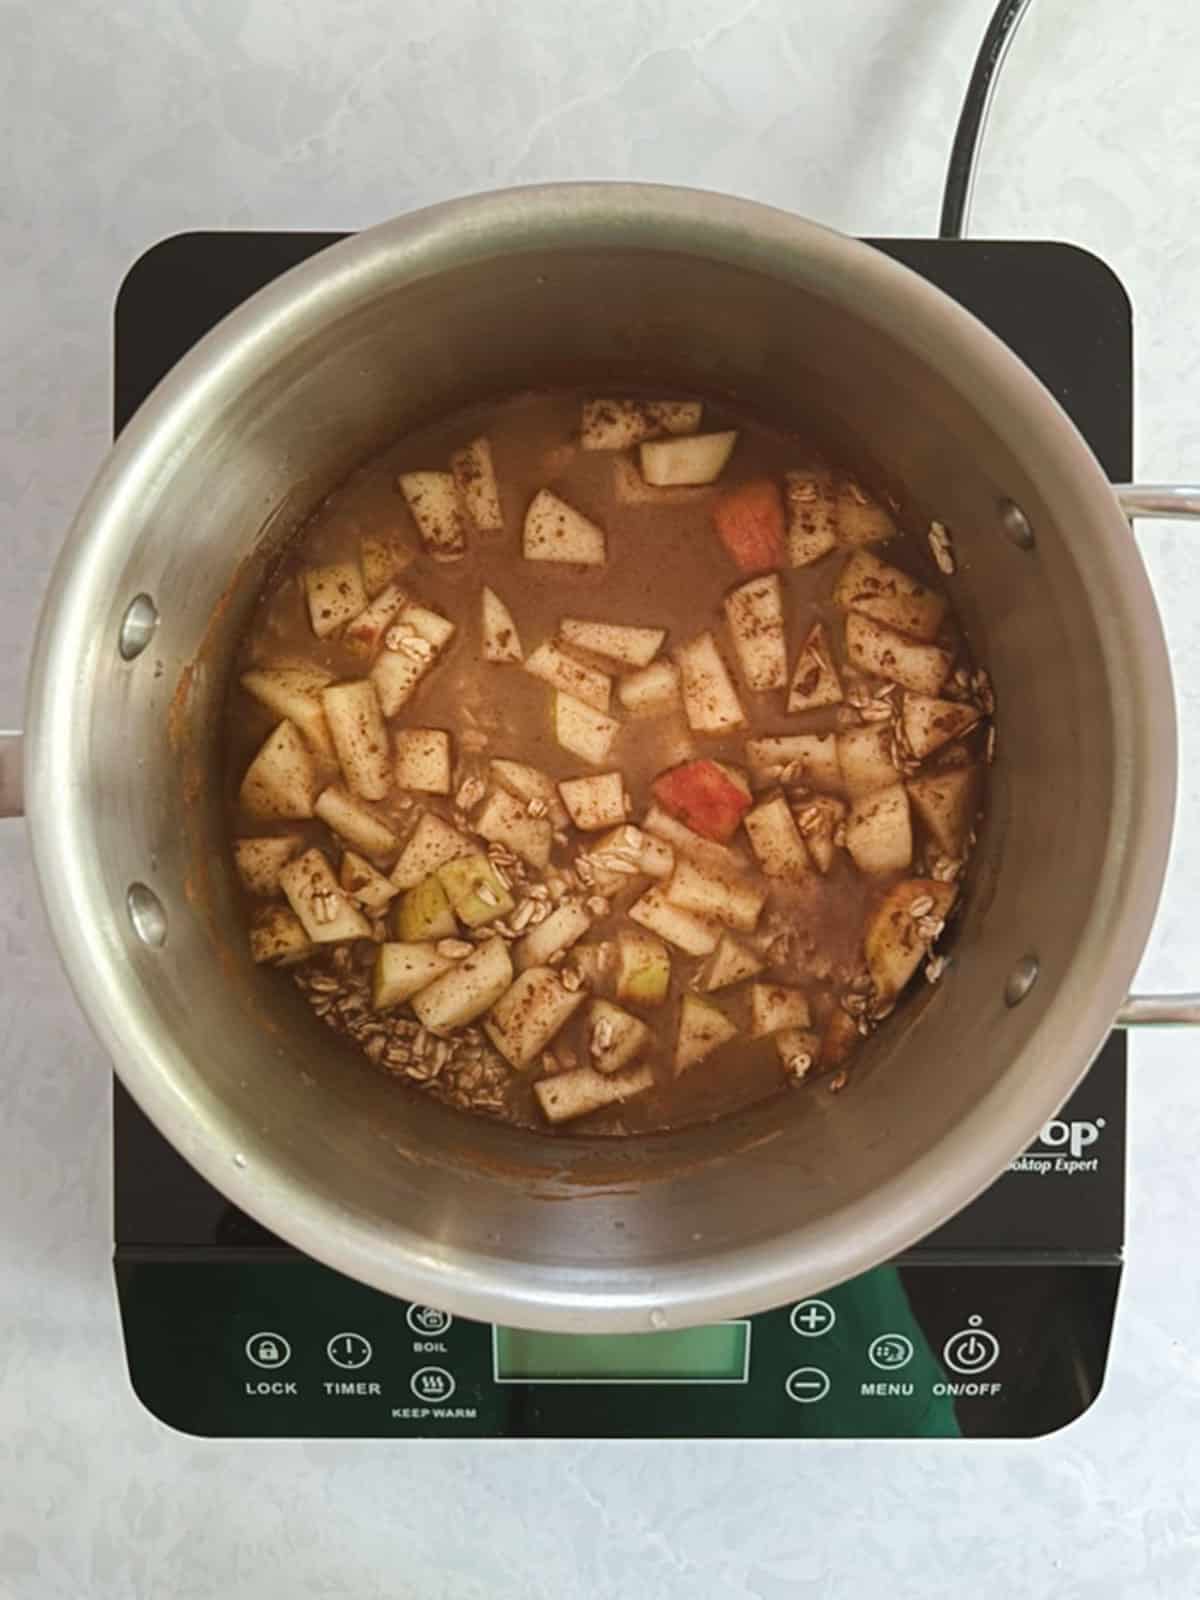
[[708, 796]]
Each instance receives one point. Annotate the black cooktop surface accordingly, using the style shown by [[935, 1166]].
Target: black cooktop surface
[[998, 1324]]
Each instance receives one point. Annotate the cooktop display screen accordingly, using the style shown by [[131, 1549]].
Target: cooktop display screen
[[716, 1354]]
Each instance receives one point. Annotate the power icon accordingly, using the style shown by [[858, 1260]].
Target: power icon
[[972, 1349]]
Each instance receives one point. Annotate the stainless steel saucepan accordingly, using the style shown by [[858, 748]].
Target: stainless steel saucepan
[[123, 765]]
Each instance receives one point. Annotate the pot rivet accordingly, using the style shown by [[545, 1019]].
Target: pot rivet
[[137, 627], [1015, 525], [658, 1319], [1021, 980], [147, 914]]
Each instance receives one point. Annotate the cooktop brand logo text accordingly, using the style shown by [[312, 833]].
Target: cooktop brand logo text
[[1062, 1147]]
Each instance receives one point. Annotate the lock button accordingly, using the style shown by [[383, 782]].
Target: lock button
[[268, 1350]]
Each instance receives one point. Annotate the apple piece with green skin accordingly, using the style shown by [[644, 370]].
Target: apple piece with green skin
[[894, 942], [423, 914], [475, 894], [707, 796], [403, 970], [643, 968], [702, 1029], [466, 991]]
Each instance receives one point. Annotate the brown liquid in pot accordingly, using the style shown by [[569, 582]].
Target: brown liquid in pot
[[666, 568]]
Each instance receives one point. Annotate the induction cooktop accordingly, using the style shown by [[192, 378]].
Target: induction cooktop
[[997, 1325]]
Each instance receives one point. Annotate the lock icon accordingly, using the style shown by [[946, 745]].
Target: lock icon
[[269, 1350]]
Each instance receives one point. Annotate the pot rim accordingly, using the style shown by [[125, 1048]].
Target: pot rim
[[1053, 1059]]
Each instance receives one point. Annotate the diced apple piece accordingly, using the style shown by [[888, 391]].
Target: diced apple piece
[[840, 1039], [422, 760], [360, 737], [438, 513], [281, 781], [731, 962], [424, 913], [436, 630], [643, 968], [635, 848], [818, 818], [736, 902], [501, 641], [504, 820], [684, 842], [395, 674], [876, 589], [884, 653], [811, 516], [894, 943], [615, 1037], [631, 489], [562, 671], [815, 682], [627, 645], [278, 937], [525, 1019], [259, 861], [702, 1029], [431, 844], [475, 477], [412, 645], [476, 894], [356, 823], [364, 635], [694, 935], [363, 883], [528, 783], [380, 561], [799, 1050], [618, 424], [879, 831], [465, 992], [403, 970], [565, 926], [320, 902], [773, 1007], [652, 691], [930, 723], [749, 523], [945, 803], [808, 758], [583, 1090], [699, 458], [594, 962], [776, 840], [294, 693], [595, 802], [707, 796], [861, 519], [710, 700], [555, 531], [336, 595], [755, 614], [582, 730], [866, 758]]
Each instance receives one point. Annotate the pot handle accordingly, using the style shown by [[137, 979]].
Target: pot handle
[[12, 789], [1159, 500]]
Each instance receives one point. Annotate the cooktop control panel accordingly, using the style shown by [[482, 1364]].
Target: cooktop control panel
[[283, 1347]]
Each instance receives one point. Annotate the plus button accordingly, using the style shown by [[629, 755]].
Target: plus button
[[812, 1318]]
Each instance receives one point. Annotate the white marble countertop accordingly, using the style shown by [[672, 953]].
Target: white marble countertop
[[127, 123]]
